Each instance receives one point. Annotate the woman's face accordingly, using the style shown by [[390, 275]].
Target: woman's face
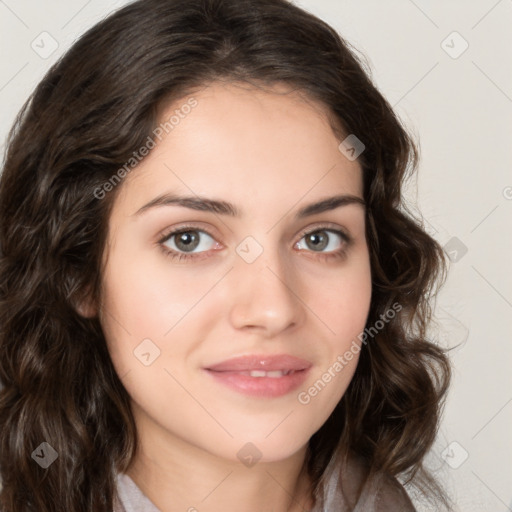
[[229, 333]]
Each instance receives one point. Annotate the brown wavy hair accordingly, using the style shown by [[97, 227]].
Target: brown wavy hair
[[93, 108]]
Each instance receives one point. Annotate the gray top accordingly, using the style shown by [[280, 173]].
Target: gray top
[[131, 498]]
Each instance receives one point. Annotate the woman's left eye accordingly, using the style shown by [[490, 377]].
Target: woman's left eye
[[324, 240]]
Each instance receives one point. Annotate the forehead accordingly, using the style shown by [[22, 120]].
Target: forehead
[[247, 144]]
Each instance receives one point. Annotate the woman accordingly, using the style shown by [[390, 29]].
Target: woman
[[212, 294]]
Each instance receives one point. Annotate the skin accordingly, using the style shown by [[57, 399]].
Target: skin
[[268, 153]]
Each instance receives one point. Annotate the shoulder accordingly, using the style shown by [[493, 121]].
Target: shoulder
[[378, 492], [392, 497]]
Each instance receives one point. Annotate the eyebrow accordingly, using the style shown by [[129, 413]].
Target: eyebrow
[[224, 208]]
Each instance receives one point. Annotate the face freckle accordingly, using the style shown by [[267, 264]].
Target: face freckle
[[252, 284]]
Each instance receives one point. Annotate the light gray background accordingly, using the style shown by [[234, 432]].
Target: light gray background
[[459, 107]]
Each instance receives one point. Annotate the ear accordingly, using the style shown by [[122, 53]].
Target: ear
[[86, 306]]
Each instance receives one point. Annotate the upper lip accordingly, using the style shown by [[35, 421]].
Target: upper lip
[[284, 362]]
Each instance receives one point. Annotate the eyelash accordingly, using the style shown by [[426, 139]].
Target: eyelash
[[178, 256]]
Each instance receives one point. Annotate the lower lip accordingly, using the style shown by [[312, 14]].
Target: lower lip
[[267, 387]]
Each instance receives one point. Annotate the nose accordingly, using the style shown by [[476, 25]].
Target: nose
[[265, 297]]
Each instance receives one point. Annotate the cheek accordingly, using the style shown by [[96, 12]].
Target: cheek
[[343, 303], [343, 307], [145, 297]]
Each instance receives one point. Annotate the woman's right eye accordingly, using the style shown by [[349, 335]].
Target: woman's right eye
[[183, 243]]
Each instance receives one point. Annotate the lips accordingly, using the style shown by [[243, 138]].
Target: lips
[[261, 363], [261, 375]]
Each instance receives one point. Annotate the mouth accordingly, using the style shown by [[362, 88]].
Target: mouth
[[261, 375], [274, 374]]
